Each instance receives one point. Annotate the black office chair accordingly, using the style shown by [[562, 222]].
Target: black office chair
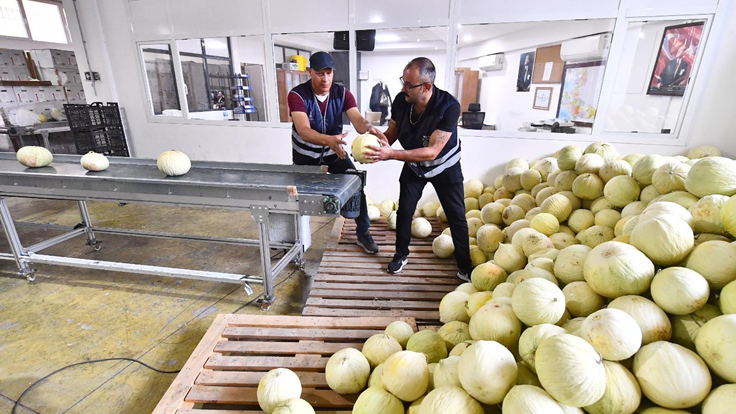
[[473, 119]]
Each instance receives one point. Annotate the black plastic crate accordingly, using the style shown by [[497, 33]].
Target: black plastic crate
[[87, 141], [83, 117], [97, 127]]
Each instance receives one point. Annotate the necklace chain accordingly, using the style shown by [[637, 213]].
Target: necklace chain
[[411, 114]]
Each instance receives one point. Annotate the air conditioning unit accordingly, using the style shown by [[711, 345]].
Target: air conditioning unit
[[491, 62], [586, 48]]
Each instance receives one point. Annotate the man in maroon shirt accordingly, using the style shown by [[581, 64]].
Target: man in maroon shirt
[[316, 108]]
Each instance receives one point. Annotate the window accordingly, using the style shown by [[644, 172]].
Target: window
[[381, 68], [294, 69], [523, 81], [653, 76], [45, 21], [161, 80], [11, 19], [249, 85], [225, 78]]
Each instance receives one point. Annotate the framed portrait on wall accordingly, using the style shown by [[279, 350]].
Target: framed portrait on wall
[[542, 98], [675, 58], [526, 69], [581, 89]]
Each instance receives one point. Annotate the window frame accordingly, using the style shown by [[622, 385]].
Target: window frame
[[29, 35], [715, 17], [148, 98]]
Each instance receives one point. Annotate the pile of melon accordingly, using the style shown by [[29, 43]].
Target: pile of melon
[[602, 284]]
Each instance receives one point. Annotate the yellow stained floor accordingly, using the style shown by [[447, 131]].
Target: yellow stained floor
[[68, 315]]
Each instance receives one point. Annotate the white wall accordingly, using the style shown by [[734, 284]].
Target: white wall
[[249, 50], [389, 66], [506, 108], [482, 156]]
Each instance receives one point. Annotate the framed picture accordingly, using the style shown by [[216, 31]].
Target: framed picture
[[675, 58], [526, 68], [581, 89], [542, 98]]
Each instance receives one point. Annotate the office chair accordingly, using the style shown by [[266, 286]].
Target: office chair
[[473, 119]]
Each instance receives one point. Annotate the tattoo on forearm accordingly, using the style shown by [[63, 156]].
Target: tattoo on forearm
[[442, 137]]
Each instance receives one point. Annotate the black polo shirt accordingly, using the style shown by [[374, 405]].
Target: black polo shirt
[[442, 113]]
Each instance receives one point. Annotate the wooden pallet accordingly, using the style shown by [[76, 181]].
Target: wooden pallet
[[350, 282], [222, 374]]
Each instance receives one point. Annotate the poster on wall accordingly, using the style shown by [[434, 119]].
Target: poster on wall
[[526, 67], [581, 88], [675, 59]]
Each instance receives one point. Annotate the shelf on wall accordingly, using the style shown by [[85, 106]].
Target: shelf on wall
[[25, 83]]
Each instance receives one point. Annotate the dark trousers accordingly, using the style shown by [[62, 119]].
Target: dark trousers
[[335, 165], [449, 188]]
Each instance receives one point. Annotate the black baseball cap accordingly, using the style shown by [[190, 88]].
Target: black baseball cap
[[321, 60]]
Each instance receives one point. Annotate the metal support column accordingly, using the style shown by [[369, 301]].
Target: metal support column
[[14, 241], [87, 225], [299, 259], [260, 215]]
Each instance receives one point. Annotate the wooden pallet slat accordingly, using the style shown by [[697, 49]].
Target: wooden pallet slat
[[243, 363], [202, 394], [253, 378], [348, 294], [354, 313], [377, 304], [283, 348], [400, 280], [381, 287], [235, 332]]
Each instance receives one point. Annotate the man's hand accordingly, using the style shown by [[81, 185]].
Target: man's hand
[[377, 133], [382, 153], [336, 143]]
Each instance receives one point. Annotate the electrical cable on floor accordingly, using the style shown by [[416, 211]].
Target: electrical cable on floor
[[27, 390]]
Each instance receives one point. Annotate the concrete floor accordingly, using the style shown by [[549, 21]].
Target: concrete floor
[[68, 315]]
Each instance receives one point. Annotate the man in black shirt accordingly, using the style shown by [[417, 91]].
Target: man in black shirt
[[424, 120]]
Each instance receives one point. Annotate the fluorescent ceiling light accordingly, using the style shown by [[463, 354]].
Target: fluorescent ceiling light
[[387, 38]]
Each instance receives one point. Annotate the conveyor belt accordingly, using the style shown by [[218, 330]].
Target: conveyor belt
[[278, 196], [212, 184]]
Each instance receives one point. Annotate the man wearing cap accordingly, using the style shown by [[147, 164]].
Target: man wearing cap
[[424, 120], [316, 108]]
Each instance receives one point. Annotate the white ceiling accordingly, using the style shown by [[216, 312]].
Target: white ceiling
[[474, 34], [420, 38]]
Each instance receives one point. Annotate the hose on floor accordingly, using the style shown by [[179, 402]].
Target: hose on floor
[[17, 403]]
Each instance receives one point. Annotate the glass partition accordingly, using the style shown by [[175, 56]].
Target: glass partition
[[654, 74], [532, 76]]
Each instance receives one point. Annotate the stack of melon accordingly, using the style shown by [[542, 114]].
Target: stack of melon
[[602, 284]]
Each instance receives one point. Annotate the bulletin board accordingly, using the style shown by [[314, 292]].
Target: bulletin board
[[548, 56]]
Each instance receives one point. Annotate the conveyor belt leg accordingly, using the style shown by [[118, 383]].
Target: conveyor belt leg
[[16, 247], [260, 215], [299, 259], [87, 224]]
